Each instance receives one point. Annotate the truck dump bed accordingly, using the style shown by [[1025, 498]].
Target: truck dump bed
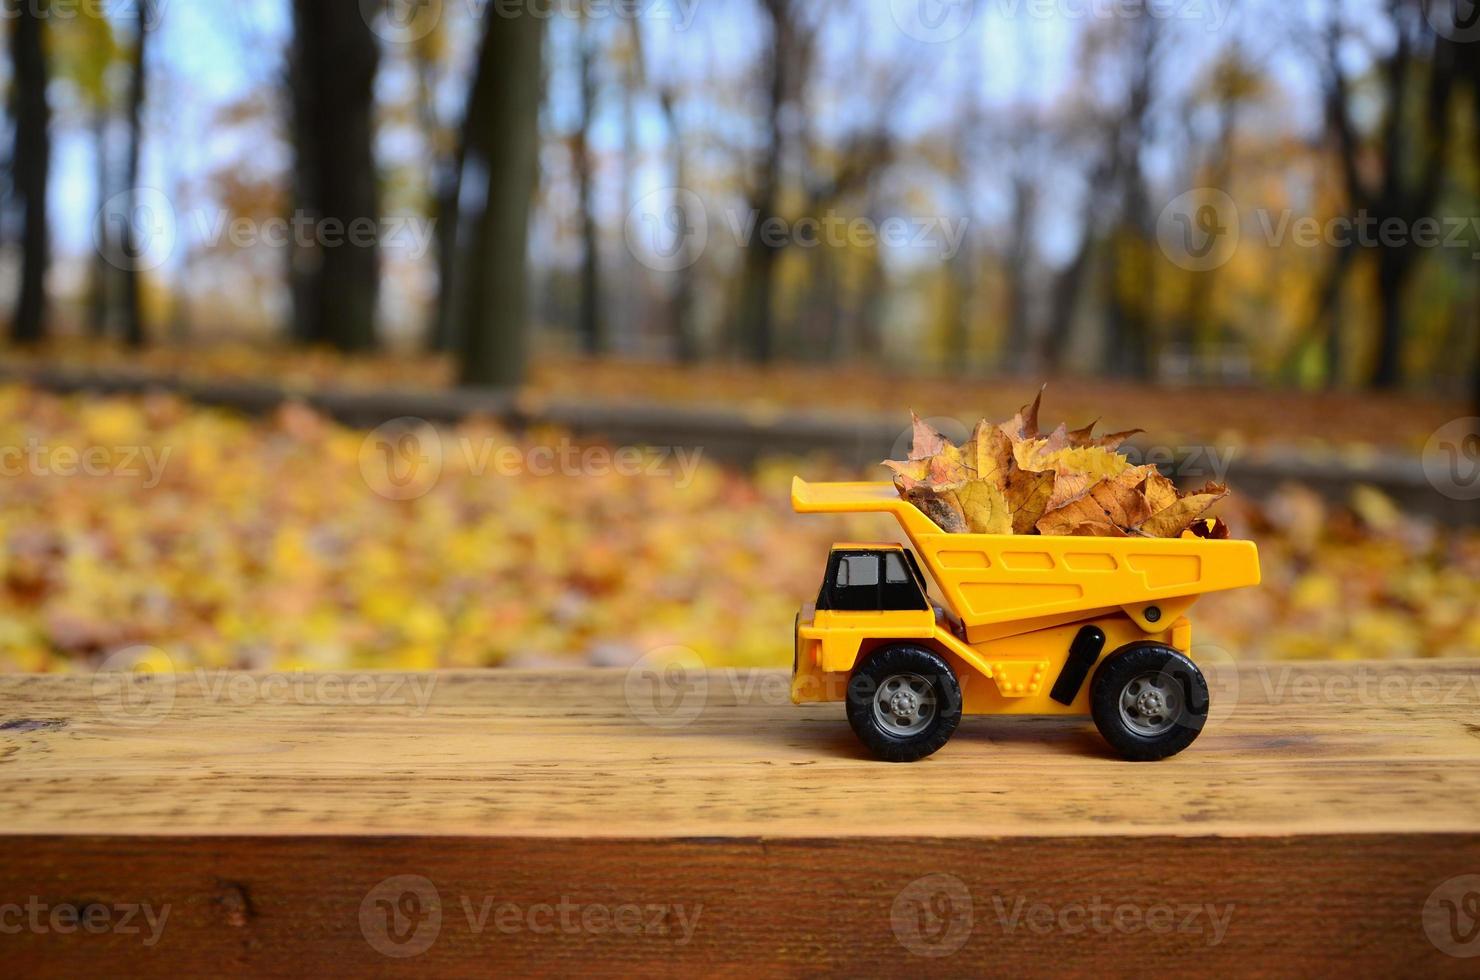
[[997, 578]]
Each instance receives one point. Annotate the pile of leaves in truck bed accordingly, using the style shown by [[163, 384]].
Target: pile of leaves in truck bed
[[1009, 478]]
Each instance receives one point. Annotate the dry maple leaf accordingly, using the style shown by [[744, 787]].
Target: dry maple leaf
[[1008, 478]]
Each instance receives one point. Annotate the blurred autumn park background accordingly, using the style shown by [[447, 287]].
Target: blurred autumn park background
[[635, 262]]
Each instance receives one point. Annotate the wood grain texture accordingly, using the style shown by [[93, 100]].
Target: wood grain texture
[[625, 824]]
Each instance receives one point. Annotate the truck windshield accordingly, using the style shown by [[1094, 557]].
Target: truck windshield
[[870, 581]]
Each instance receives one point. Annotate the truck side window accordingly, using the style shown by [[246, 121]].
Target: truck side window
[[859, 571], [856, 585], [901, 589]]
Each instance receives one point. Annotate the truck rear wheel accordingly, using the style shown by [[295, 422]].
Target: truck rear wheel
[[1149, 701], [904, 703]]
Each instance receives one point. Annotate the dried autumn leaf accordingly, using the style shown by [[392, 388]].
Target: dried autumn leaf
[[1008, 478], [1170, 522], [989, 452], [1115, 503], [942, 508], [985, 508], [1086, 437], [1075, 469], [1124, 498], [927, 441], [1024, 425], [1211, 528], [1160, 492]]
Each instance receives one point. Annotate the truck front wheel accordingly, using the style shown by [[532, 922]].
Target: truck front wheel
[[904, 703], [1149, 701]]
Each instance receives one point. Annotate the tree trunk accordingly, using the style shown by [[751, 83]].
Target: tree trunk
[[133, 306], [1473, 58], [867, 327], [1127, 342], [1329, 311], [681, 302], [443, 168], [444, 333], [758, 284], [589, 323], [101, 273], [500, 167], [1068, 285], [1018, 354], [961, 276], [30, 162], [334, 267], [1393, 266]]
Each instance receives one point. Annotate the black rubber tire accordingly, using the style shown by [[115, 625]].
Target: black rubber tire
[[879, 667], [1117, 670]]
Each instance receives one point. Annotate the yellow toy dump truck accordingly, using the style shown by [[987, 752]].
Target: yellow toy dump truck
[[1032, 625]]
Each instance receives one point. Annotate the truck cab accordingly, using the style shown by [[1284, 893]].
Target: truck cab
[[872, 578]]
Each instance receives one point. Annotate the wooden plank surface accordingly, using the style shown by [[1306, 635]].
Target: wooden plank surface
[[1327, 819]]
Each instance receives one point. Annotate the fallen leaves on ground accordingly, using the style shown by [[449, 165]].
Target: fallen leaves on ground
[[262, 546], [1010, 478], [1344, 425]]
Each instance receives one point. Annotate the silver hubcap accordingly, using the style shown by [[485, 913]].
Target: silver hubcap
[[1151, 703], [904, 704]]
